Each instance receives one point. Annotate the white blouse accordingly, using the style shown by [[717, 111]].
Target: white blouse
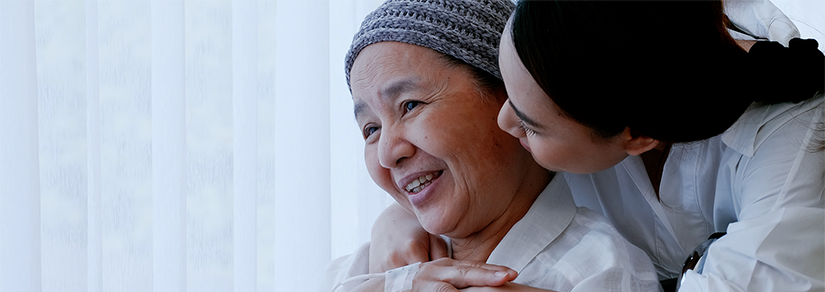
[[578, 251], [762, 181], [556, 246]]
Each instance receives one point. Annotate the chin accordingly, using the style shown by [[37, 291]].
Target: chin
[[434, 226]]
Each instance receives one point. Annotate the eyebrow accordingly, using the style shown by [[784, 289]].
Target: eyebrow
[[524, 117], [359, 108], [398, 87]]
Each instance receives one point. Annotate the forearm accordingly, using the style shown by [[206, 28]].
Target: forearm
[[399, 240], [371, 285], [783, 250]]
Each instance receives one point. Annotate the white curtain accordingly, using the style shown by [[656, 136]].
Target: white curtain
[[178, 145]]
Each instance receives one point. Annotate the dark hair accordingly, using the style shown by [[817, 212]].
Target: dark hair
[[663, 68]]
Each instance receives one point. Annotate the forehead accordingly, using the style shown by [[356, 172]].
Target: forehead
[[384, 70], [529, 101], [383, 61], [507, 53], [518, 80]]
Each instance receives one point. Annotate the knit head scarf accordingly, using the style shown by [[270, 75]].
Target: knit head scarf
[[468, 30]]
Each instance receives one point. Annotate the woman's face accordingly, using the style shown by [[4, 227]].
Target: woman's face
[[556, 141], [431, 139]]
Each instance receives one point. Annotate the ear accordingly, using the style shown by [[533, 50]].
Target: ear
[[635, 143]]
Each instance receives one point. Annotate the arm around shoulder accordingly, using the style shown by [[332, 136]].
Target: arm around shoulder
[[399, 240]]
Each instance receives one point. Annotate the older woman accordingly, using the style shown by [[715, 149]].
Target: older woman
[[426, 93]]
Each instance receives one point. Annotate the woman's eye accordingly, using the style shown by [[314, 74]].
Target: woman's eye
[[527, 131], [368, 131], [410, 105]]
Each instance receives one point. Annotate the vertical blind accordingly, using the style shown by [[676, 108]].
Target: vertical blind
[[178, 145]]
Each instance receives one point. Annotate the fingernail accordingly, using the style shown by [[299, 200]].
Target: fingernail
[[501, 274]]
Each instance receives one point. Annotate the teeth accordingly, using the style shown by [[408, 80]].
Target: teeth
[[418, 184], [421, 187]]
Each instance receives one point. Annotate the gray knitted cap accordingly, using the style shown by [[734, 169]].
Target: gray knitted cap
[[468, 30]]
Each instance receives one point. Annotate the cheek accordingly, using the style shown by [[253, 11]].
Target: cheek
[[581, 157], [379, 174], [549, 155]]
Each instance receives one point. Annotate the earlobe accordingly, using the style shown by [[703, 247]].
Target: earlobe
[[635, 143]]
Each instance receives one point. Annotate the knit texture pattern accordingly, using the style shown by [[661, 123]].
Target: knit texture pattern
[[468, 30]]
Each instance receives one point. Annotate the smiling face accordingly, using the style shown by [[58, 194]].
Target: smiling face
[[431, 139], [556, 141]]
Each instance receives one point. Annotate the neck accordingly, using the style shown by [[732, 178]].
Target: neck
[[745, 44], [478, 246], [654, 161]]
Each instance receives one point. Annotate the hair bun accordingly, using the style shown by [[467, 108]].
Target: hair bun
[[790, 74], [804, 44]]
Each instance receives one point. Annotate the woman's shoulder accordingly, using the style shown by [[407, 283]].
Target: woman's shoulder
[[596, 228], [591, 238], [589, 253], [762, 121]]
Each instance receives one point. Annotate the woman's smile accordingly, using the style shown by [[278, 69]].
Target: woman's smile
[[420, 182], [423, 187]]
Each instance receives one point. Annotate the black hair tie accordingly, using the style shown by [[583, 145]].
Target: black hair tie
[[790, 74]]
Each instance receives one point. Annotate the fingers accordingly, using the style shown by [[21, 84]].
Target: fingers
[[461, 274], [471, 275]]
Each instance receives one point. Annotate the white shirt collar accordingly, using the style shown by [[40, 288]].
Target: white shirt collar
[[550, 214], [761, 18]]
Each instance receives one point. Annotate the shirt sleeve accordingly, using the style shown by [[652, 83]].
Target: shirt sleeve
[[592, 256], [620, 278], [618, 266], [346, 267], [775, 196]]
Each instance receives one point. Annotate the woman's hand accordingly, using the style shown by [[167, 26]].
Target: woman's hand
[[443, 275], [399, 240], [447, 275]]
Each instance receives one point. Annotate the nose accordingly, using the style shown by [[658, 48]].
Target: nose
[[393, 147], [508, 121]]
